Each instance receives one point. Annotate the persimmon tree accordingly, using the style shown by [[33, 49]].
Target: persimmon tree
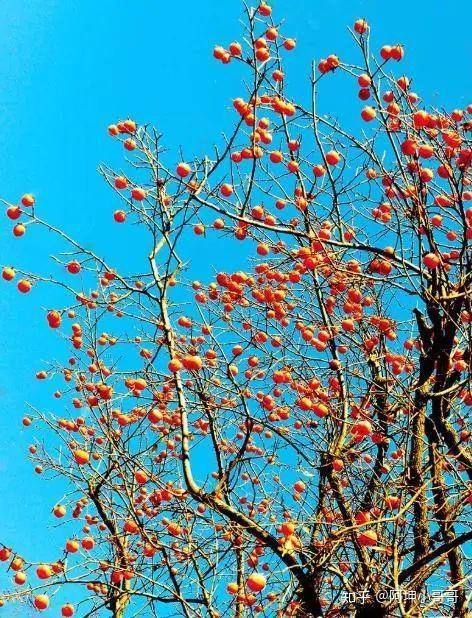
[[280, 438]]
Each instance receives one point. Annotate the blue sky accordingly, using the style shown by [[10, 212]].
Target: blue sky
[[68, 68]]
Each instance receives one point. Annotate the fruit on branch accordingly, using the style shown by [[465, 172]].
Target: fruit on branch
[[81, 457], [119, 216], [183, 170], [28, 200], [41, 602], [54, 319], [367, 538], [24, 286], [256, 582]]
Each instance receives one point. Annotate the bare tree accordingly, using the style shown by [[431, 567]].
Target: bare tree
[[290, 439]]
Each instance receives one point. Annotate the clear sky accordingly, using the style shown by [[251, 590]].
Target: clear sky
[[68, 68]]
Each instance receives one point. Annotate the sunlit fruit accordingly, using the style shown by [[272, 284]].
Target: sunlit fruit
[[8, 273], [24, 286], [183, 170], [431, 261], [361, 26], [119, 216], [367, 538], [73, 267], [333, 157], [256, 582], [81, 457], [138, 194], [28, 200], [41, 602]]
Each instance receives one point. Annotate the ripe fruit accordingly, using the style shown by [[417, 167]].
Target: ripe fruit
[[121, 182], [175, 365], [24, 286], [368, 538], [403, 83], [88, 543], [431, 261], [362, 517], [332, 62], [287, 528], [235, 49], [264, 9], [320, 409], [333, 157], [72, 546], [219, 52], [361, 429], [348, 325], [226, 190], [59, 511], [8, 273], [81, 457], [13, 212], [19, 230], [183, 170], [319, 170], [119, 216], [256, 582], [141, 477], [364, 80], [409, 147], [368, 114], [397, 52], [420, 118], [129, 126], [17, 564], [262, 54], [299, 486], [20, 578], [41, 602], [232, 588], [192, 363], [73, 267], [392, 502], [67, 610], [426, 174], [28, 200], [54, 319], [138, 194], [361, 26], [44, 571], [129, 144], [386, 52]]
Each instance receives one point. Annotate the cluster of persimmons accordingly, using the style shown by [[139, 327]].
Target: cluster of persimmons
[[299, 429]]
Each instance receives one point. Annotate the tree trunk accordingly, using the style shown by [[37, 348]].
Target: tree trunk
[[373, 610], [310, 606], [119, 604]]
